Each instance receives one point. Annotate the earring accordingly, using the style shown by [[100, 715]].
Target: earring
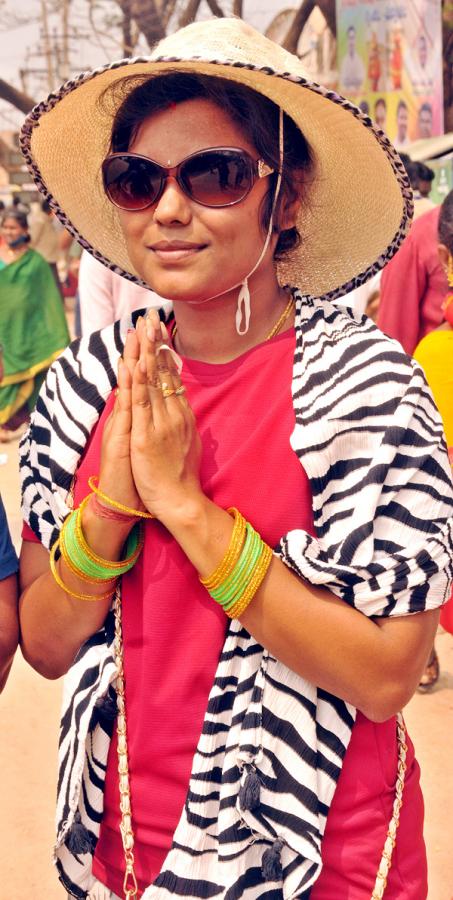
[[243, 308]]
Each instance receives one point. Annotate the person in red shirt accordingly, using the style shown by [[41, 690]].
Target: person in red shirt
[[258, 635], [413, 285]]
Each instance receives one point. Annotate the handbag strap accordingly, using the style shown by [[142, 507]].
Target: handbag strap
[[390, 841]]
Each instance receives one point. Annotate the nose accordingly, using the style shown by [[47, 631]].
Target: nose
[[173, 206]]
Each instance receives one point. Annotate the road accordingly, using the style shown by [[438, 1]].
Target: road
[[29, 712]]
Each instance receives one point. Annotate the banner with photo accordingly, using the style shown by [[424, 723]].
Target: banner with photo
[[389, 57]]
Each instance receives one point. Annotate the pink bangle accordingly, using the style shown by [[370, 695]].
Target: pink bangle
[[106, 512]]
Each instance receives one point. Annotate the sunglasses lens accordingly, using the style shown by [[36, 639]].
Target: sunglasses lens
[[131, 183], [217, 177]]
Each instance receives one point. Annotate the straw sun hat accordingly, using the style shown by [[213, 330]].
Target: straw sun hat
[[360, 202]]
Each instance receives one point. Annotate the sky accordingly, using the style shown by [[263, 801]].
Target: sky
[[19, 43]]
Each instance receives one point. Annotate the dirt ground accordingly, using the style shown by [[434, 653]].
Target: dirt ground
[[29, 712]]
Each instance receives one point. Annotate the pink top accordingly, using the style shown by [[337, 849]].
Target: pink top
[[174, 633], [413, 285]]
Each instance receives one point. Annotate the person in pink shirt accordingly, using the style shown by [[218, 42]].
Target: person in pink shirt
[[105, 296], [413, 286], [245, 499]]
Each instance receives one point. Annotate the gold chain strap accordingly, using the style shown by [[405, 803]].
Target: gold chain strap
[[130, 886], [386, 858]]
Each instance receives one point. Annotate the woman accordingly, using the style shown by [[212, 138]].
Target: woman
[[33, 329], [215, 183], [435, 355]]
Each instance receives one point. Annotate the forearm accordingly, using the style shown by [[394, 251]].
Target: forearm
[[9, 626], [54, 624], [308, 629]]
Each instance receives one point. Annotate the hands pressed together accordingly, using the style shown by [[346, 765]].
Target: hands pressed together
[[151, 448]]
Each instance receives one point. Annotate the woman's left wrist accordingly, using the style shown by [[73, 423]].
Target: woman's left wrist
[[185, 512], [202, 530]]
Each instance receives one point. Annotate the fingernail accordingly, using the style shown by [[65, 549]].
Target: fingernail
[[150, 332]]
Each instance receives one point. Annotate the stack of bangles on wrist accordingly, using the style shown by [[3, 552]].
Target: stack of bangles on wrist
[[239, 575], [82, 560]]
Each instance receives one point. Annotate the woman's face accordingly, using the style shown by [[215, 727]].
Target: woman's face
[[183, 250], [12, 230]]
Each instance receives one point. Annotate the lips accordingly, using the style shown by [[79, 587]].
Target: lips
[[173, 251]]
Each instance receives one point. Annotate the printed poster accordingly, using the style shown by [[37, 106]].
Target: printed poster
[[389, 58]]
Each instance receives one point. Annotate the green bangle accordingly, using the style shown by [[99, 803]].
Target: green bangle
[[101, 569], [228, 583], [243, 584], [227, 593]]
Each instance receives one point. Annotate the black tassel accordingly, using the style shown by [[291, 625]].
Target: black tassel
[[249, 792], [79, 839], [107, 709], [271, 865]]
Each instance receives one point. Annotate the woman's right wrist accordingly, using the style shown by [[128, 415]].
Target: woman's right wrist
[[105, 536]]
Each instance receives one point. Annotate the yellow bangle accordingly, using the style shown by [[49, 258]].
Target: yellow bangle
[[232, 555], [61, 584], [254, 584], [92, 481]]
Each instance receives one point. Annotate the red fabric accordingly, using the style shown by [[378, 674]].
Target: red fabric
[[171, 626], [413, 285], [170, 623], [446, 616], [359, 817]]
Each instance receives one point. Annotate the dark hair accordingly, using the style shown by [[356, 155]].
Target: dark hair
[[256, 115], [16, 214], [424, 172], [380, 102], [401, 105], [365, 107], [445, 226], [426, 107]]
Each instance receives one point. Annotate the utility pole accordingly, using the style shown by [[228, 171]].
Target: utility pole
[[47, 46], [65, 73]]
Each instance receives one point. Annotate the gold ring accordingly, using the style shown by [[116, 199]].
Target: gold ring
[[168, 392], [180, 390]]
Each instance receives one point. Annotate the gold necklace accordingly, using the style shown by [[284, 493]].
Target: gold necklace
[[274, 330], [281, 320]]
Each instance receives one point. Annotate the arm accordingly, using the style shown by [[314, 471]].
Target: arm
[[375, 665], [9, 625], [403, 285], [54, 625]]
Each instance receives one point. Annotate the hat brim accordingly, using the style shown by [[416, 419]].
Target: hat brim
[[359, 206]]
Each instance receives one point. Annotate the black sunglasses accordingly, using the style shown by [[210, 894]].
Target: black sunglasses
[[220, 176]]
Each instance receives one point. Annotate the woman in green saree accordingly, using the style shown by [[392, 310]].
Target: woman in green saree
[[33, 329]]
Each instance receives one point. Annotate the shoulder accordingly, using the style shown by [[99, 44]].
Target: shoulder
[[346, 368], [342, 333]]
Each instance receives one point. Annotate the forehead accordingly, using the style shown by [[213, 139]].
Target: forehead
[[171, 134], [10, 222]]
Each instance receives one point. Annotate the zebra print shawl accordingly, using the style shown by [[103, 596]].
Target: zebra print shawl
[[371, 442]]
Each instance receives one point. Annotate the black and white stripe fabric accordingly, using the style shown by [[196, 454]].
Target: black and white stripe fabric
[[371, 442]]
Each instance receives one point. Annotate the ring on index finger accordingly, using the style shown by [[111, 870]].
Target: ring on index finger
[[168, 392]]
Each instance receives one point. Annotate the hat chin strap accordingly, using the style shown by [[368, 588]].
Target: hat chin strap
[[243, 310]]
